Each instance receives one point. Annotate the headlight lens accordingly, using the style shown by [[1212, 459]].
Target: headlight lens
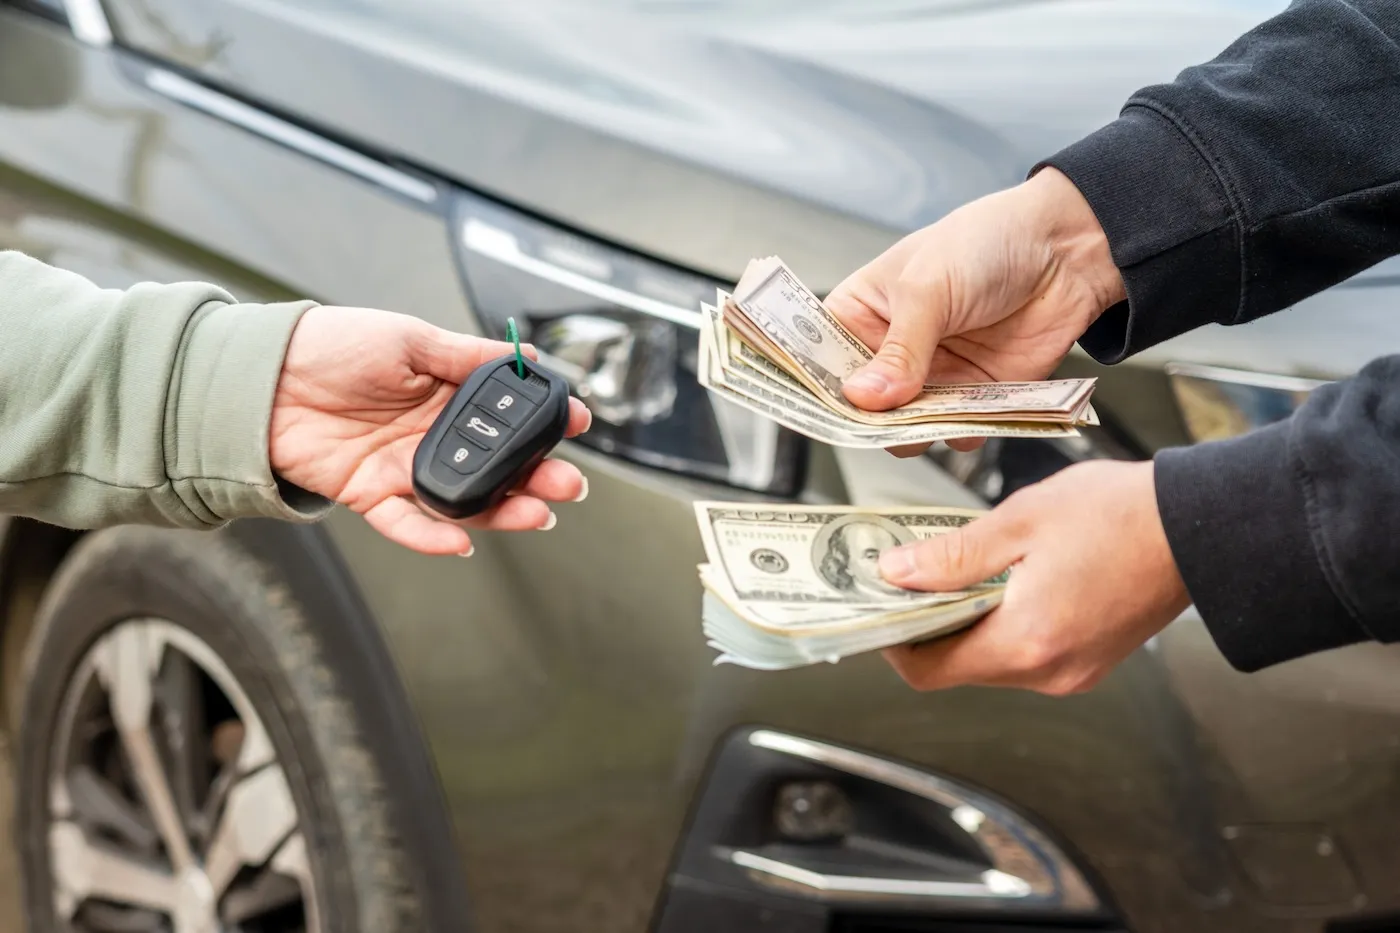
[[624, 331], [1217, 403]]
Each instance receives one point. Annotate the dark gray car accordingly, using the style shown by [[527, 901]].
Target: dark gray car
[[277, 728]]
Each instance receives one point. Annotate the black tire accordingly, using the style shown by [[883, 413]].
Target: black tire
[[204, 584]]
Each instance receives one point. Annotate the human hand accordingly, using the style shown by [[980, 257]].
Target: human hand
[[1094, 578], [997, 291], [359, 389]]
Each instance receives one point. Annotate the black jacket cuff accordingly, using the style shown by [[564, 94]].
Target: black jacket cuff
[[1164, 210], [1253, 573]]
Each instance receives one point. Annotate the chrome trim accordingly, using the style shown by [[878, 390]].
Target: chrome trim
[[994, 884], [223, 107], [1026, 866], [1243, 377], [88, 21], [492, 242], [1217, 403]]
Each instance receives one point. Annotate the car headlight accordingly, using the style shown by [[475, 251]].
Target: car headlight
[[623, 330], [1217, 403]]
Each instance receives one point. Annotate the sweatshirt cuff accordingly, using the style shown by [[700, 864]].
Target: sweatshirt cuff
[[1164, 210], [1253, 573], [218, 411]]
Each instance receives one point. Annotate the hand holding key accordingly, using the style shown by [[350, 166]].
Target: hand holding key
[[361, 388], [498, 426]]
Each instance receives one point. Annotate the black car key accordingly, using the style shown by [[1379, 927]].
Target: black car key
[[494, 431]]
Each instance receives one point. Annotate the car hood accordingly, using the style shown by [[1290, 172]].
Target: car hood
[[705, 131]]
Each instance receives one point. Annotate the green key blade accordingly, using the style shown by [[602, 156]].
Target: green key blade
[[513, 335]]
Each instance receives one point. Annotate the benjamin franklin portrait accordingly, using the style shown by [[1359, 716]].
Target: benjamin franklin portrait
[[847, 555]]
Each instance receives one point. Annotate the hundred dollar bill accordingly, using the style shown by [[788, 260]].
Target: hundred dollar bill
[[817, 555], [783, 320], [742, 644], [790, 585], [793, 620]]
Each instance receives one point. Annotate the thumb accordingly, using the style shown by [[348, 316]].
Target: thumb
[[446, 355], [957, 560], [896, 374]]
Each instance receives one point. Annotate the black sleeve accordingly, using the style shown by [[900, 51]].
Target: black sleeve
[[1249, 183]]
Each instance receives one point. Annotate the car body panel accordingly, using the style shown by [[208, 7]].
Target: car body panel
[[827, 127], [567, 697], [707, 134]]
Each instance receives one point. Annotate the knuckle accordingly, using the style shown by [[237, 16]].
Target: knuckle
[[894, 350], [1070, 682], [956, 552], [918, 670], [1036, 658], [1056, 687]]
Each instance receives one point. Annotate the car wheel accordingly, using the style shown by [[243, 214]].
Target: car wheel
[[186, 761]]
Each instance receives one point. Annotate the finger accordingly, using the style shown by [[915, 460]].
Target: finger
[[857, 305], [906, 451], [959, 559], [514, 513], [972, 657], [897, 373], [580, 418], [452, 356], [967, 444], [402, 522], [555, 481], [446, 355]]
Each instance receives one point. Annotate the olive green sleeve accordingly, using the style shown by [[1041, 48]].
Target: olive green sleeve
[[149, 405]]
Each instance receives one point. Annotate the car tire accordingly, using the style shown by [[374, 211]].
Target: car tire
[[177, 652]]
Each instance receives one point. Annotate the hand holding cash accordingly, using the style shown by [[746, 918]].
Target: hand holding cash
[[774, 348], [788, 586], [995, 293]]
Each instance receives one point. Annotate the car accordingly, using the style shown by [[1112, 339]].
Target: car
[[279, 727]]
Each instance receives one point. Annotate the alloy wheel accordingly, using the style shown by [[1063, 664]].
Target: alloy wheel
[[169, 809]]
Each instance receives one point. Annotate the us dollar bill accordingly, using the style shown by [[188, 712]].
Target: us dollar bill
[[779, 318], [738, 642], [779, 398], [791, 585], [818, 555]]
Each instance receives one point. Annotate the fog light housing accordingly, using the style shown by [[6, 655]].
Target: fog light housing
[[808, 811]]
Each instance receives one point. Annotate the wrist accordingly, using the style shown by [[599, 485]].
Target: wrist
[[1077, 243]]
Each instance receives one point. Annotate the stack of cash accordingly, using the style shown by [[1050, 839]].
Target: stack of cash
[[773, 348], [792, 585]]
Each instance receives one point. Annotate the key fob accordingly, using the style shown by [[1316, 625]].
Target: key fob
[[494, 431]]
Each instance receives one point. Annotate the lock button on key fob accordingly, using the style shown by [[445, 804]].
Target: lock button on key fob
[[505, 402], [496, 428]]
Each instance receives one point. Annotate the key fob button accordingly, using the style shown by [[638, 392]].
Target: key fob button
[[532, 387], [462, 456], [504, 402], [476, 425]]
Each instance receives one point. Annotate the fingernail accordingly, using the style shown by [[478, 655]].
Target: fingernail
[[550, 522], [896, 564], [583, 492], [468, 552], [869, 382]]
